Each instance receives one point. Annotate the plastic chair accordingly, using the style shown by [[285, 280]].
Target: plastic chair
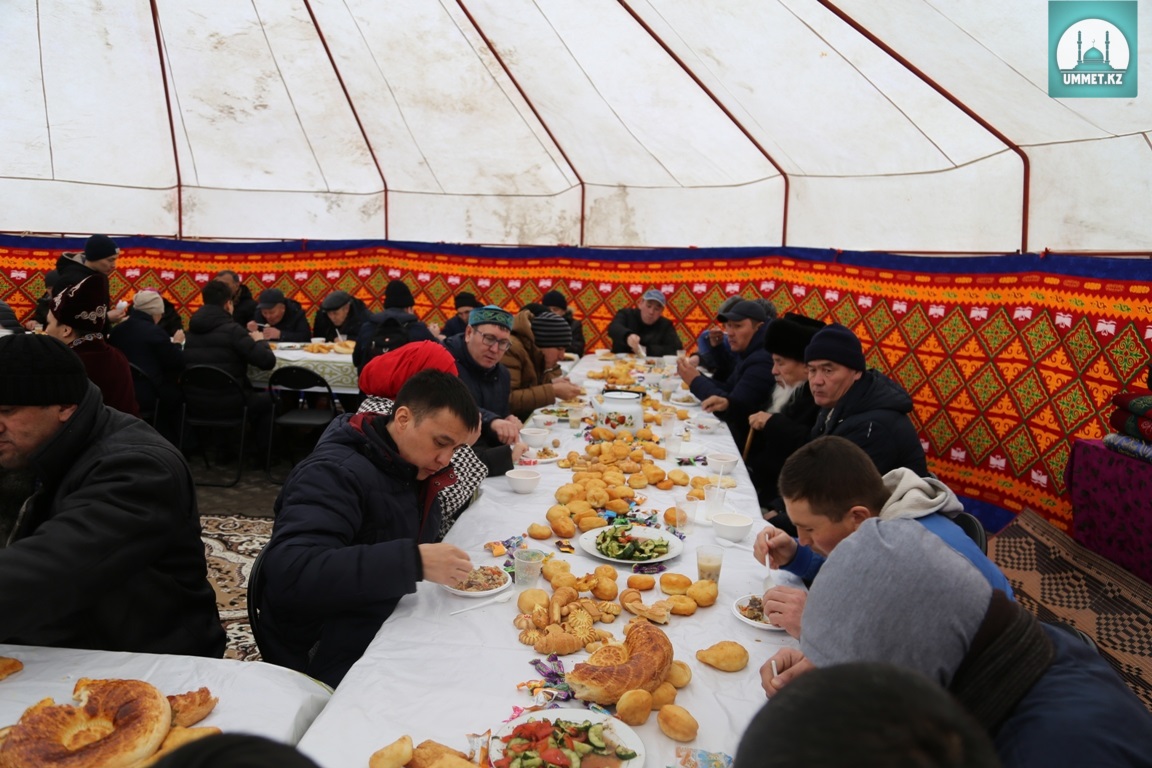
[[142, 382], [214, 400], [288, 385], [255, 594], [972, 526]]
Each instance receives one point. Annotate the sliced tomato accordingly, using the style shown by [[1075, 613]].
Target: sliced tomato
[[520, 747], [503, 762], [554, 756]]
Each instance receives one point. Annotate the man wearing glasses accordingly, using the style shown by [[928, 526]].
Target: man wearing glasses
[[478, 352]]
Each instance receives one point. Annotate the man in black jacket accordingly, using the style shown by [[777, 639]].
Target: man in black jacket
[[341, 314], [279, 318], [160, 358], [243, 305], [215, 339], [555, 301], [398, 315], [644, 329], [99, 515], [357, 523]]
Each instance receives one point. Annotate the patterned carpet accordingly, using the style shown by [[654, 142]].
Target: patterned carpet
[[1057, 579], [232, 543]]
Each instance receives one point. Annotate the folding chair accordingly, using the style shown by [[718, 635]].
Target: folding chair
[[255, 594], [288, 386], [214, 400], [972, 526]]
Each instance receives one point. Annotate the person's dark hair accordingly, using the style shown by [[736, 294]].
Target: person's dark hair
[[216, 293], [229, 274], [832, 475], [430, 391], [864, 714], [235, 750]]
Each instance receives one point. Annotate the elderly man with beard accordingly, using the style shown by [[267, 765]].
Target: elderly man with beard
[[743, 378], [783, 426]]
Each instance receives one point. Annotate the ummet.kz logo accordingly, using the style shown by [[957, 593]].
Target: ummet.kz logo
[[1092, 49]]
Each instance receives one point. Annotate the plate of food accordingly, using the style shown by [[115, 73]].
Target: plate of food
[[543, 455], [750, 611], [684, 400], [481, 582], [286, 345], [613, 743], [628, 543]]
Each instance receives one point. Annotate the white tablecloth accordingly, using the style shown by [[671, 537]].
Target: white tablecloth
[[336, 368], [436, 676], [254, 697]]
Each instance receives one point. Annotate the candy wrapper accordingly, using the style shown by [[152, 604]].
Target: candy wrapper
[[478, 747], [700, 758], [565, 546], [693, 461], [649, 568], [551, 688]]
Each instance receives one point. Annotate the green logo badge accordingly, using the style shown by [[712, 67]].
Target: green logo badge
[[1092, 49]]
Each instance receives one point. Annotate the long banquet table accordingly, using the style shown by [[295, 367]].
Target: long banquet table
[[435, 676], [254, 697]]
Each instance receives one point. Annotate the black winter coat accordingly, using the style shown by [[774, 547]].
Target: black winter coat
[[214, 338], [293, 326], [658, 339], [149, 348], [344, 547], [107, 554], [874, 414], [322, 326]]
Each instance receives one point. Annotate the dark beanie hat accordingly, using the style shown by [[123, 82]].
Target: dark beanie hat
[[397, 296], [466, 299], [236, 750], [83, 306], [554, 299], [99, 247], [335, 300], [551, 330], [838, 344], [36, 369], [788, 336]]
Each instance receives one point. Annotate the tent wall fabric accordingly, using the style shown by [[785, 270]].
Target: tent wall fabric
[[909, 125], [1008, 359]]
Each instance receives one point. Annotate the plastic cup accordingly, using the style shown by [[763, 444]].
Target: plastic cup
[[528, 564], [709, 560], [574, 417], [713, 500], [667, 387], [317, 339], [673, 445], [685, 515]]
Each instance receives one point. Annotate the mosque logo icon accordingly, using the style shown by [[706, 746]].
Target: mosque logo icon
[[1092, 57]]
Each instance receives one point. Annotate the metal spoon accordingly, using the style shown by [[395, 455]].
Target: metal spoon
[[498, 599]]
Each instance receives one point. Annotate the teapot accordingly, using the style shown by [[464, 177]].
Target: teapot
[[617, 410]]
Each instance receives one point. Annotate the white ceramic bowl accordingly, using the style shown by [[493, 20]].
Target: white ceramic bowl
[[526, 480], [723, 462], [545, 420], [535, 437], [731, 526]]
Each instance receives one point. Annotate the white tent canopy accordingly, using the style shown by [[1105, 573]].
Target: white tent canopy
[[583, 122]]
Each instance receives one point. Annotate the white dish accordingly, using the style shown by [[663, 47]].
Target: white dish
[[743, 601], [289, 345], [703, 519], [693, 403], [619, 734], [675, 546], [462, 593], [529, 459]]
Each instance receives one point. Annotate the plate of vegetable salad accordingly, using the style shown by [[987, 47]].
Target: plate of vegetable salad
[[628, 543], [565, 738]]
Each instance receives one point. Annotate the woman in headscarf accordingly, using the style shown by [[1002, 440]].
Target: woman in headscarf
[[381, 380]]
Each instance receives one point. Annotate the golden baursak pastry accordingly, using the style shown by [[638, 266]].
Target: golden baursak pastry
[[649, 656]]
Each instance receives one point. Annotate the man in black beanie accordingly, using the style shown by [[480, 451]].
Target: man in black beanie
[[465, 302], [859, 404], [98, 260], [538, 344], [102, 546], [394, 327], [555, 302]]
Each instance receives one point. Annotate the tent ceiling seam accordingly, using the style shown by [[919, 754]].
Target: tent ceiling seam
[[879, 91], [44, 93], [291, 100]]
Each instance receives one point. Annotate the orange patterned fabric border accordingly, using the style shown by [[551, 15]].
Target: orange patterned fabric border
[[1005, 369]]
